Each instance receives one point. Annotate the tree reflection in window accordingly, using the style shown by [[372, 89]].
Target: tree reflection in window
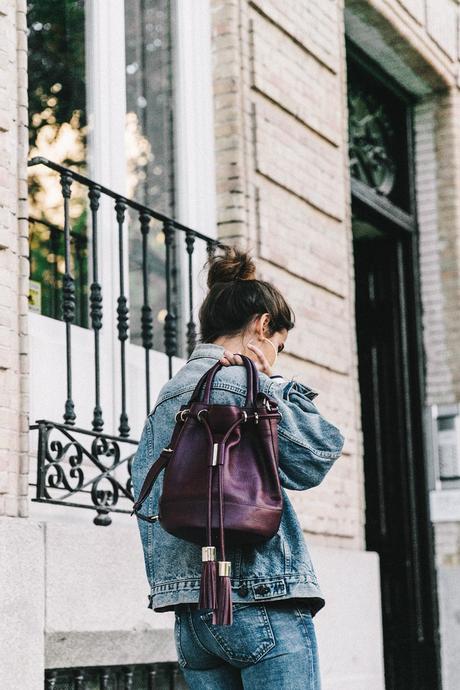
[[58, 131], [149, 151]]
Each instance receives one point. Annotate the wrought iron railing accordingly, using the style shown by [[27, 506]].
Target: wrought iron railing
[[160, 676], [74, 464]]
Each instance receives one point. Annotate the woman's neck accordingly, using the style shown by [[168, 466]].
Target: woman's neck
[[233, 343]]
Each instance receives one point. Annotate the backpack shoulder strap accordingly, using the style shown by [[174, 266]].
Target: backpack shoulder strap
[[149, 481]]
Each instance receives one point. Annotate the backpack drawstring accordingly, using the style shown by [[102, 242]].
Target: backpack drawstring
[[224, 586], [222, 608], [208, 583]]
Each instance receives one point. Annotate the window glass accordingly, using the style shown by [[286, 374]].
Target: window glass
[[149, 153], [57, 131]]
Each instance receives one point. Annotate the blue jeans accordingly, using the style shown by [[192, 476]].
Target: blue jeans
[[271, 646]]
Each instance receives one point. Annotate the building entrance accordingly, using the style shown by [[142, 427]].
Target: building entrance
[[390, 358]]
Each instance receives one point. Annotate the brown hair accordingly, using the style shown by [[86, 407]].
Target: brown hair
[[235, 296]]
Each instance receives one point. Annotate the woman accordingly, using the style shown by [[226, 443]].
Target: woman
[[275, 592]]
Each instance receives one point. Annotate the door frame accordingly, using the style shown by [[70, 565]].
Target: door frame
[[397, 221]]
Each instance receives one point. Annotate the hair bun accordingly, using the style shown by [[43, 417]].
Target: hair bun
[[233, 264]]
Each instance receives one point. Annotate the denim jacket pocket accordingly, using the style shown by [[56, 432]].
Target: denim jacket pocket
[[248, 639]]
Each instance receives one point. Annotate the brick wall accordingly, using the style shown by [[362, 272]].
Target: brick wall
[[283, 190], [14, 271]]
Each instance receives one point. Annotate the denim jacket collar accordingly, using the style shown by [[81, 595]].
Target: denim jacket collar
[[209, 350]]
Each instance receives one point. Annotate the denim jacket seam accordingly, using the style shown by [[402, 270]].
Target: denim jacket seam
[[239, 390], [309, 577], [328, 454], [149, 506]]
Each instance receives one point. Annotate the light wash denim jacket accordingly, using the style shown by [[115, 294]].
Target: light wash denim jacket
[[278, 568]]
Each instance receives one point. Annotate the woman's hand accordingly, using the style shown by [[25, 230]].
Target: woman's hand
[[261, 362], [229, 358]]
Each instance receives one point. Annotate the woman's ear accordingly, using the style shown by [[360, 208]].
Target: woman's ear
[[265, 321]]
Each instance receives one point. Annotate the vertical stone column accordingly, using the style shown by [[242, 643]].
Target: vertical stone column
[[14, 271], [438, 189]]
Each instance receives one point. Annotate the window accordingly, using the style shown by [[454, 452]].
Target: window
[[57, 130], [149, 152]]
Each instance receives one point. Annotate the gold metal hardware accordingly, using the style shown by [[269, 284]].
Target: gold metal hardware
[[225, 568], [208, 553]]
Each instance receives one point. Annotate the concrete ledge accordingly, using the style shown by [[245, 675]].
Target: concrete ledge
[[349, 627], [68, 649], [22, 604], [449, 600]]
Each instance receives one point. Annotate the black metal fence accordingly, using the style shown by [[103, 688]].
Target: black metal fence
[[161, 676], [67, 465]]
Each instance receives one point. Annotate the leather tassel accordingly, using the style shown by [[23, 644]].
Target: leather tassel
[[224, 613], [208, 589]]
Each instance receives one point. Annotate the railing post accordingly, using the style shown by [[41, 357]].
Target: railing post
[[51, 678], [152, 678], [95, 301], [79, 680], [191, 328], [41, 457], [146, 317], [68, 298], [104, 678], [123, 316], [170, 318], [128, 676]]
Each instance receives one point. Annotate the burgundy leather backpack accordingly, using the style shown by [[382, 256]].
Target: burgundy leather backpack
[[221, 481]]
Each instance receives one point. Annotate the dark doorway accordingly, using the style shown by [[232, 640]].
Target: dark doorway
[[390, 357]]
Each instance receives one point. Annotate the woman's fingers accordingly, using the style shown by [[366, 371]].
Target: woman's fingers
[[262, 363], [229, 358]]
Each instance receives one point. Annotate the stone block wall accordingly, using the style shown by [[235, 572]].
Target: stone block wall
[[14, 271]]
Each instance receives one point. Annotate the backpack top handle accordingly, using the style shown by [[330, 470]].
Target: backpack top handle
[[208, 377]]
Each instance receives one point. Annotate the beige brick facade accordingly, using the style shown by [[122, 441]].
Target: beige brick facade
[[284, 189], [14, 269]]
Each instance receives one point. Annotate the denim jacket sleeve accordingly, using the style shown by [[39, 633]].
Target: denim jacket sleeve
[[308, 443]]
